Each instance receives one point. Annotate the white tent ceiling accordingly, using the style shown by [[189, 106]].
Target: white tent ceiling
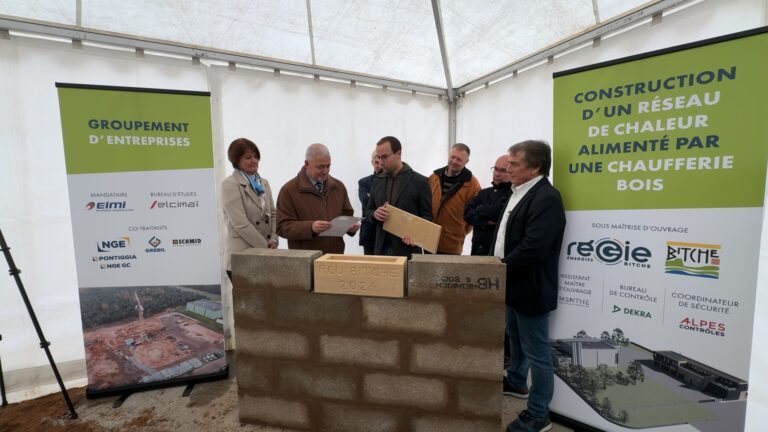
[[391, 39]]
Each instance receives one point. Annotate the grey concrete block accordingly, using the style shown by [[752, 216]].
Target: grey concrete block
[[328, 310], [360, 351], [482, 398], [353, 418], [404, 315], [273, 269], [457, 360], [271, 343], [306, 380], [405, 390], [274, 411], [456, 278]]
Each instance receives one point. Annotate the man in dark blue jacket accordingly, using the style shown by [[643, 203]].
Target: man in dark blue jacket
[[528, 241], [367, 229], [483, 211]]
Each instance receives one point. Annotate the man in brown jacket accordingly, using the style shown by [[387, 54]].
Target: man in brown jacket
[[453, 186], [307, 204]]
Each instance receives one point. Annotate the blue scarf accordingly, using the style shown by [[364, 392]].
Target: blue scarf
[[255, 182]]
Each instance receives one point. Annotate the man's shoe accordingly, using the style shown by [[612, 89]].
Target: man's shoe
[[528, 423], [518, 392]]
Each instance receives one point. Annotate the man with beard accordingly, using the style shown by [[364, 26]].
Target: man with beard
[[484, 211]]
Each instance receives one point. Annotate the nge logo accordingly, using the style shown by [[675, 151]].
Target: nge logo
[[109, 245]]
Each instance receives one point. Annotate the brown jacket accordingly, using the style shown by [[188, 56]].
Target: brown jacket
[[299, 204], [449, 212]]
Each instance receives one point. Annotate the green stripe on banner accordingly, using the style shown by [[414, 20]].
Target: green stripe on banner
[[685, 129], [118, 131]]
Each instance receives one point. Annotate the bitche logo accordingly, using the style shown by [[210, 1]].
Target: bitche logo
[[711, 328], [110, 245], [154, 242], [693, 259], [107, 206], [610, 252]]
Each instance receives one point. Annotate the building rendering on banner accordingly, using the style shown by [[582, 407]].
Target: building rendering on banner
[[700, 376], [207, 308], [585, 352]]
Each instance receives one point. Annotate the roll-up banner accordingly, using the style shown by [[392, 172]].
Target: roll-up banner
[[661, 162], [143, 204]]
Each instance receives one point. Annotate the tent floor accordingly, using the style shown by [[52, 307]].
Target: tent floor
[[211, 406]]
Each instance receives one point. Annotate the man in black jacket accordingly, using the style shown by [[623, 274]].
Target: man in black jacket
[[528, 241], [367, 229], [483, 211], [401, 187]]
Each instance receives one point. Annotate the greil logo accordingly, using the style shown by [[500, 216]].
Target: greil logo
[[173, 204], [107, 206], [632, 312], [109, 245], [610, 252], [154, 242], [187, 242], [693, 259], [712, 328]]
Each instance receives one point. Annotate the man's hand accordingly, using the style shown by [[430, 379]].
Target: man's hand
[[353, 229], [319, 226], [407, 240], [272, 244], [381, 214]]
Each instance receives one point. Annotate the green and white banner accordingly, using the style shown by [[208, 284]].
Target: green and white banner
[[661, 162], [144, 219]]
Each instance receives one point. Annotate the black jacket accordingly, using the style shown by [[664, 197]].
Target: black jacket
[[483, 212], [532, 244], [410, 192], [367, 229]]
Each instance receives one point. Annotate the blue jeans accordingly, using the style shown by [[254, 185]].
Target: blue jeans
[[529, 349]]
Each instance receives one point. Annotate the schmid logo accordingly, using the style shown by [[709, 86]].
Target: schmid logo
[[154, 242], [703, 326], [609, 251], [633, 312], [107, 206], [693, 259], [173, 204], [187, 242], [109, 245]]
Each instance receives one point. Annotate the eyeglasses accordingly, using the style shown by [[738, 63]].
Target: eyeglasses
[[499, 170]]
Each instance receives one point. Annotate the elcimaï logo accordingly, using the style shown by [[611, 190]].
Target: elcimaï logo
[[693, 259]]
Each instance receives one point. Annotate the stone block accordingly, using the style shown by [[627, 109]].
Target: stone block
[[253, 374], [274, 411], [271, 343], [249, 305], [353, 418], [481, 398], [292, 308], [273, 269], [457, 360], [404, 390], [306, 380], [453, 424], [378, 276], [476, 321], [404, 315], [360, 351], [456, 278]]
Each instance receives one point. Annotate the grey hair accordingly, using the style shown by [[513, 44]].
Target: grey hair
[[317, 149]]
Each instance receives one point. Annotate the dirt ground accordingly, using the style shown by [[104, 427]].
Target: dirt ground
[[211, 406]]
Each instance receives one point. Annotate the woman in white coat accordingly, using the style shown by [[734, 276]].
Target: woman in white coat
[[248, 205]]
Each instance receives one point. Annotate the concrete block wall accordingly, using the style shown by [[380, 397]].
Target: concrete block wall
[[327, 362]]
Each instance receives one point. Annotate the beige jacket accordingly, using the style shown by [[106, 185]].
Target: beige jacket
[[250, 225]]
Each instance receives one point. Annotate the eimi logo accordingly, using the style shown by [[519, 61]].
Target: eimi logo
[[609, 251], [107, 206]]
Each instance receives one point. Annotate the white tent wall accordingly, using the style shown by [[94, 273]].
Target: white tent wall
[[282, 115], [492, 119]]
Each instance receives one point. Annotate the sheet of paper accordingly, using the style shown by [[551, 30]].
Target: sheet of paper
[[424, 233], [339, 226]]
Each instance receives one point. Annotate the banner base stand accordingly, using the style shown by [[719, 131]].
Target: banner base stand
[[126, 391]]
